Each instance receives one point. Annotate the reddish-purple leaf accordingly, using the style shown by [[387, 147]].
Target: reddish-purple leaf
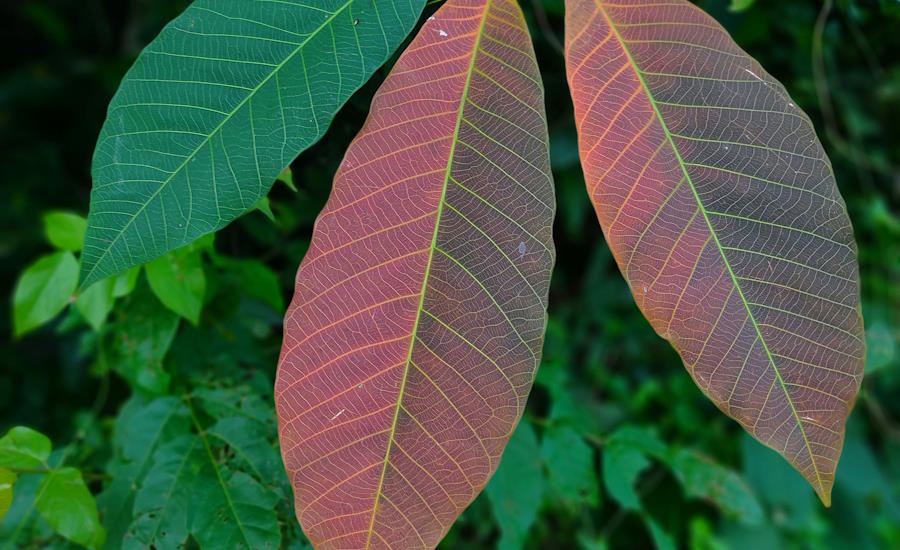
[[721, 209], [419, 311]]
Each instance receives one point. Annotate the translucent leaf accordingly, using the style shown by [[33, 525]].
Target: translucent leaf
[[721, 209], [419, 310]]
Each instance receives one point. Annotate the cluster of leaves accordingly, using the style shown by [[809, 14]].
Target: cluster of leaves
[[184, 409]]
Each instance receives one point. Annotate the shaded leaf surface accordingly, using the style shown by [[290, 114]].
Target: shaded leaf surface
[[515, 491], [418, 315], [721, 209], [215, 108]]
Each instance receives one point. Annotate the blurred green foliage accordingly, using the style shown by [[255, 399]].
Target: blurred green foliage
[[175, 362]]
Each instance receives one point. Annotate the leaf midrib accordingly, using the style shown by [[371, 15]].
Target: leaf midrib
[[228, 117], [599, 3], [459, 118]]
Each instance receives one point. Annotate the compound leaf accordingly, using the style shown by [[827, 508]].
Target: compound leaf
[[720, 207], [419, 311], [216, 107]]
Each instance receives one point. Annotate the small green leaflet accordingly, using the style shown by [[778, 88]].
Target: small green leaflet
[[24, 448], [66, 504], [569, 463], [178, 281], [44, 289], [216, 107], [65, 230], [96, 302]]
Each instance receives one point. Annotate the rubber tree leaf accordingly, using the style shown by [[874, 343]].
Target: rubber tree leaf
[[64, 501], [44, 289], [720, 207], [65, 230], [24, 448], [7, 480], [418, 315], [216, 107], [516, 490]]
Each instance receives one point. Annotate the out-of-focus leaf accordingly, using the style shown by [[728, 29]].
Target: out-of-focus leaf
[[516, 490], [702, 478], [164, 502], [7, 480], [216, 107], [419, 310], [569, 464], [125, 282], [259, 281], [96, 302], [143, 332], [738, 6], [178, 281], [64, 501], [65, 230], [721, 209], [25, 448], [622, 465], [43, 290], [777, 484]]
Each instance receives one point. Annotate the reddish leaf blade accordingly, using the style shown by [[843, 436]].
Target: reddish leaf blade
[[721, 209], [418, 317]]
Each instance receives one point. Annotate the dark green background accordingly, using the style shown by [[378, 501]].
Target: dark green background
[[61, 62]]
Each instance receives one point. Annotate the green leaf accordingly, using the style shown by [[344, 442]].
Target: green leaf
[[622, 465], [142, 427], [7, 480], [244, 439], [178, 281], [24, 448], [570, 467], [161, 506], [65, 230], [257, 280], [66, 504], [142, 335], [237, 513], [125, 282], [44, 289], [264, 206], [216, 107], [738, 6], [707, 480], [96, 302], [516, 489]]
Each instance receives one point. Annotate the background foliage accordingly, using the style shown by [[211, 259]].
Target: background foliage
[[156, 389]]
